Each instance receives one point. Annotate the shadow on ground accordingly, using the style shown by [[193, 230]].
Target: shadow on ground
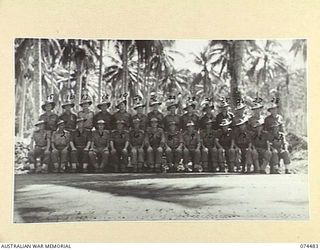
[[122, 185]]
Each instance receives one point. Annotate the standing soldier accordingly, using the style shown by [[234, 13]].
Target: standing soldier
[[137, 137], [86, 113], [155, 113], [60, 143], [207, 107], [80, 144], [122, 114], [41, 139], [119, 147], [173, 146], [68, 117], [273, 117], [261, 153], [172, 106], [240, 109], [143, 119], [224, 113], [190, 115], [256, 109], [225, 144], [100, 147], [49, 116], [242, 141], [154, 143], [191, 151], [103, 114], [279, 149], [209, 151]]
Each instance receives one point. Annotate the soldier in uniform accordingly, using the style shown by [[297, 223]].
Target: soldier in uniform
[[155, 113], [68, 117], [225, 144], [191, 151], [154, 143], [273, 117], [240, 109], [49, 116], [119, 147], [242, 142], [86, 113], [100, 147], [190, 115], [279, 149], [173, 146], [137, 138], [143, 119], [261, 153], [256, 109], [104, 115], [224, 114], [80, 144], [209, 151], [41, 139], [60, 142], [172, 106], [207, 107], [122, 114]]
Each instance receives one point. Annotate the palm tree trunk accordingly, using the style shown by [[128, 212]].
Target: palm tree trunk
[[125, 67], [24, 90], [236, 68], [37, 78], [100, 70], [79, 83]]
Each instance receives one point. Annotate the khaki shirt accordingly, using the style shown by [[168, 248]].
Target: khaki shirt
[[137, 137], [269, 120], [119, 138], [155, 137], [80, 139], [51, 120], [101, 139], [69, 121], [41, 137], [207, 137], [191, 140], [88, 124], [224, 138], [61, 138], [125, 116], [173, 139], [106, 117], [143, 121]]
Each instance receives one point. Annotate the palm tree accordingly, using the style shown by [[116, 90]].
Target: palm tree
[[299, 46]]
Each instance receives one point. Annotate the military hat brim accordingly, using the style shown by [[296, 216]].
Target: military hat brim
[[43, 106], [39, 123], [273, 106], [225, 124], [84, 102], [67, 104], [155, 103], [103, 103]]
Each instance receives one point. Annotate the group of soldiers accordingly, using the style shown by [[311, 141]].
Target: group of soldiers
[[154, 142]]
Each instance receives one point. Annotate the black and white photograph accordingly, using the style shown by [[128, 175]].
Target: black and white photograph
[[160, 130]]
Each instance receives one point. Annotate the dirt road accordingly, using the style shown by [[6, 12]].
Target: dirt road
[[96, 197]]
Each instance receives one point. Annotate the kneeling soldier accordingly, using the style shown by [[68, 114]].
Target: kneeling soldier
[[154, 143], [279, 149], [137, 137], [100, 147], [119, 147], [41, 139], [242, 142], [191, 151], [261, 153], [80, 144], [173, 145], [60, 143], [225, 143], [209, 152]]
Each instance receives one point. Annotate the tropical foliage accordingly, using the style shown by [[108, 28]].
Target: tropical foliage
[[234, 68]]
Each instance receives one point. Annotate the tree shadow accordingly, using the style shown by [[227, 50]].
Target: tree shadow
[[122, 185]]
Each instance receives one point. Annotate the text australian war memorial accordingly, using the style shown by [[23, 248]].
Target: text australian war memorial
[[147, 106]]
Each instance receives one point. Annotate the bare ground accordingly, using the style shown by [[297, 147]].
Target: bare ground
[[131, 197]]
